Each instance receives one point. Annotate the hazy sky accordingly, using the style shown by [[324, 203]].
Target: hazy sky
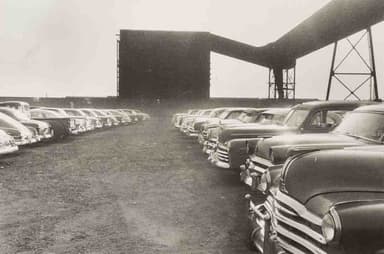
[[68, 47]]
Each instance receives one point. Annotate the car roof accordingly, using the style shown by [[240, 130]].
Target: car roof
[[325, 104], [372, 108], [277, 111], [14, 102]]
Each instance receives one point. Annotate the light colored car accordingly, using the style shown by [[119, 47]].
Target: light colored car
[[21, 134], [21, 106], [7, 143], [44, 130]]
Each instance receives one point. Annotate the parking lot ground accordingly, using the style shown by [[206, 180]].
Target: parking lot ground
[[136, 189]]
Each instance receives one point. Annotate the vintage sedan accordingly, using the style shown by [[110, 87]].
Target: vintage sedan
[[21, 106], [187, 121], [109, 120], [83, 122], [93, 118], [44, 129], [62, 126], [104, 119], [309, 117], [79, 121], [21, 134], [141, 115], [7, 143], [265, 163], [178, 117], [123, 118], [326, 202], [228, 115], [251, 116]]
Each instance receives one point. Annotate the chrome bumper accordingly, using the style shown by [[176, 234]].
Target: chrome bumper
[[8, 149], [263, 224], [214, 160]]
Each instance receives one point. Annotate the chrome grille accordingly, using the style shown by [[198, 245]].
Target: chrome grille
[[298, 230], [222, 154]]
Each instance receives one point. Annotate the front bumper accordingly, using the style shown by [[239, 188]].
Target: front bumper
[[210, 146], [8, 149], [251, 172], [263, 234], [216, 161], [192, 132]]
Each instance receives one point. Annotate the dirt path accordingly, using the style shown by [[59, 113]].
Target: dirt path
[[135, 189]]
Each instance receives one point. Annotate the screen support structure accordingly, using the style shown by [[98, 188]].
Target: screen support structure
[[282, 83], [369, 74], [117, 63]]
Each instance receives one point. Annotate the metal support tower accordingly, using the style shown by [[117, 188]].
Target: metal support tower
[[117, 63], [369, 73], [283, 78]]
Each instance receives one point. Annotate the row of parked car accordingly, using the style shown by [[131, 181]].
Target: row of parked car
[[22, 124], [314, 172]]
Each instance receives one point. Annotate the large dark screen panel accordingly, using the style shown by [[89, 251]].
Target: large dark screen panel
[[163, 64]]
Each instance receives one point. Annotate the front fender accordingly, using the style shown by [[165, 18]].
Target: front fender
[[237, 152], [362, 226]]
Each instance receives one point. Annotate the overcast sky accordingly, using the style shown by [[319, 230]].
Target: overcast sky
[[68, 47]]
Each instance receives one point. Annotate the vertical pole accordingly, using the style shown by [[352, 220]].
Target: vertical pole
[[332, 71], [269, 84], [373, 65], [117, 65], [286, 84], [278, 73], [294, 82]]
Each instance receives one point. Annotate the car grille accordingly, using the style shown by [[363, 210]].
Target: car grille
[[297, 233], [222, 153]]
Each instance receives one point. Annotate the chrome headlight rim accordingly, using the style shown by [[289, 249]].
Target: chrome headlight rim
[[331, 226], [264, 182]]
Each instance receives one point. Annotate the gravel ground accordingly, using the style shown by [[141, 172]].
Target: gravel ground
[[134, 189]]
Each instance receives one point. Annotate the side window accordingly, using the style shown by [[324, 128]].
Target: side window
[[326, 119], [316, 120], [37, 115], [334, 117]]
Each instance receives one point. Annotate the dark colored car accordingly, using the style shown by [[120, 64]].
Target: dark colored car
[[309, 117], [62, 126], [228, 116], [327, 202], [363, 126], [251, 116]]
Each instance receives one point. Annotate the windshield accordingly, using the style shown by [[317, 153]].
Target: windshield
[[20, 116], [363, 124], [216, 112], [296, 117], [207, 113], [8, 122], [73, 112], [234, 115], [249, 117]]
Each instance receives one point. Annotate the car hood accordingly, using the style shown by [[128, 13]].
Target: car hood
[[252, 130], [283, 145], [321, 204], [336, 171], [36, 124]]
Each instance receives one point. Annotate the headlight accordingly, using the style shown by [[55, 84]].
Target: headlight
[[331, 226], [265, 180]]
